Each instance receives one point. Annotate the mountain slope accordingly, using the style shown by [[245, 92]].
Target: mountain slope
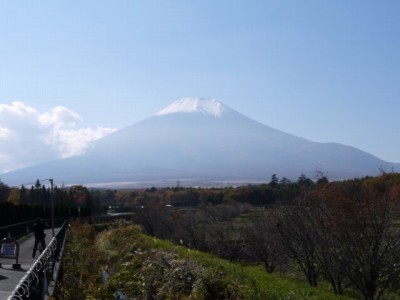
[[202, 140]]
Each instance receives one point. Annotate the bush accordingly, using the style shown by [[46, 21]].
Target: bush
[[121, 260]]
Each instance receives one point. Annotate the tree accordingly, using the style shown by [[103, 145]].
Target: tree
[[14, 196], [320, 177], [274, 181], [23, 195], [331, 253], [82, 197], [156, 221], [4, 191], [262, 241], [299, 238], [372, 241], [39, 195], [304, 181], [356, 234]]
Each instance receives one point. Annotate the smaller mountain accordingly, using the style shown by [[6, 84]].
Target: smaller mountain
[[202, 142]]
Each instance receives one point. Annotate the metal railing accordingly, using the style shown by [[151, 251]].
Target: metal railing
[[16, 230], [35, 283], [20, 229]]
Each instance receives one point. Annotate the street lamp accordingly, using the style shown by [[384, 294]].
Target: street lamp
[[52, 207]]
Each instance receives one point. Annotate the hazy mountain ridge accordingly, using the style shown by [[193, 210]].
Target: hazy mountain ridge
[[201, 140]]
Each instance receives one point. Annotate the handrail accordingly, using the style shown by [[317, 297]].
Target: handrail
[[35, 283], [20, 229]]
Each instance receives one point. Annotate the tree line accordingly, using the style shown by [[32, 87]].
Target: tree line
[[25, 204], [254, 194]]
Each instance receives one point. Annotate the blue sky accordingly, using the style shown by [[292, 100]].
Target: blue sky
[[328, 71]]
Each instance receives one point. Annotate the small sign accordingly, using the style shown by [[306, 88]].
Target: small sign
[[8, 250]]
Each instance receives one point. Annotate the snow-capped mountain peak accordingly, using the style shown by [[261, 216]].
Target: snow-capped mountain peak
[[190, 105]]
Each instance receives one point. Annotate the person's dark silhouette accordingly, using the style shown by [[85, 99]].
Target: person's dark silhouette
[[38, 229]]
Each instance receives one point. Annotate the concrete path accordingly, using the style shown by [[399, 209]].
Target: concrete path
[[9, 277]]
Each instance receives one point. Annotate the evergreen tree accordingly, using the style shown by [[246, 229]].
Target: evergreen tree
[[274, 181], [4, 192]]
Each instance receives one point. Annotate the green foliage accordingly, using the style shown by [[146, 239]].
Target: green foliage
[[100, 261], [217, 283], [81, 266]]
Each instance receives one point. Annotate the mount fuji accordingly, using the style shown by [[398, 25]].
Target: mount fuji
[[202, 142]]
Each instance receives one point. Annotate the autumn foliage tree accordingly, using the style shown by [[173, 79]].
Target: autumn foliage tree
[[347, 232], [372, 240]]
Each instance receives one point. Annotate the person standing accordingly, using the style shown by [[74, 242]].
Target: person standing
[[38, 229]]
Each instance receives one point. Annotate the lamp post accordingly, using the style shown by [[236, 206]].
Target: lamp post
[[52, 202], [52, 206]]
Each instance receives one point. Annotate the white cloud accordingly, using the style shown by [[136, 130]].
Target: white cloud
[[4, 133], [74, 142], [28, 136], [60, 116]]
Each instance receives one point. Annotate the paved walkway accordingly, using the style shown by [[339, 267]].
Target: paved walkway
[[9, 277]]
